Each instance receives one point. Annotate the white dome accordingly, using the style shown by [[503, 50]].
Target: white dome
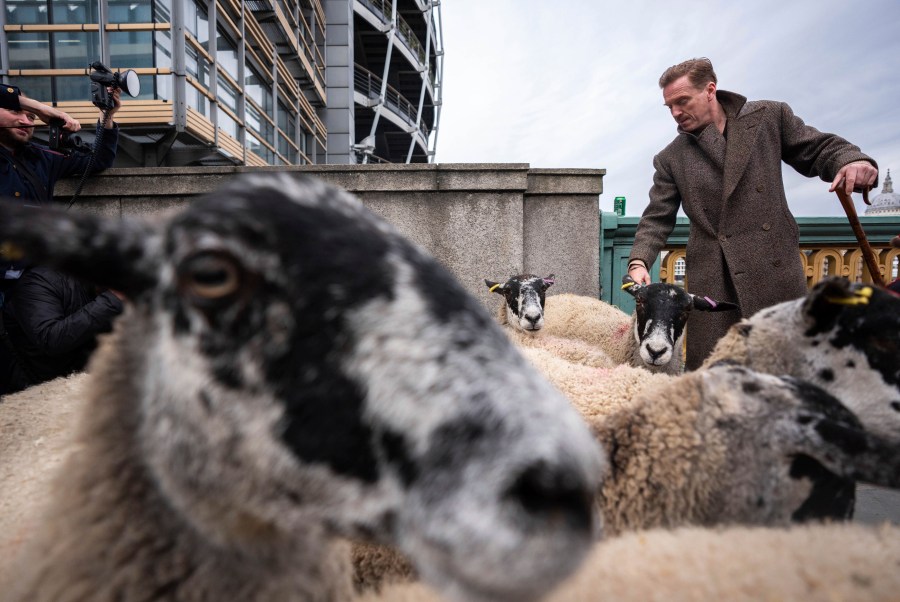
[[886, 203]]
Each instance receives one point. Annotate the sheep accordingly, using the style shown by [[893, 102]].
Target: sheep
[[522, 314], [842, 337], [289, 371], [726, 444], [821, 562], [856, 341], [651, 337], [721, 445]]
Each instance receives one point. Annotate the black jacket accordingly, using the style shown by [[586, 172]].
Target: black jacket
[[46, 168], [53, 321]]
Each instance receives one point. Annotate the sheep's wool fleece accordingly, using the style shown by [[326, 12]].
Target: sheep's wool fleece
[[595, 392], [571, 350], [847, 562], [593, 321], [36, 435]]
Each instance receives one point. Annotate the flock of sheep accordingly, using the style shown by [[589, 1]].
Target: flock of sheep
[[301, 405]]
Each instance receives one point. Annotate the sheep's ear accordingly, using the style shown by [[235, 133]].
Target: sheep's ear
[[706, 304], [828, 298], [110, 252], [495, 287], [549, 281]]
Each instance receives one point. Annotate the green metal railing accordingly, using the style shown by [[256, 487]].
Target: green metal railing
[[827, 245]]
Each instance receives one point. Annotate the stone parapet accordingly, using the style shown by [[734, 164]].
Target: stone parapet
[[479, 220]]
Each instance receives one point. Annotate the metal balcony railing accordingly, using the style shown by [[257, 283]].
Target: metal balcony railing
[[369, 85], [382, 8]]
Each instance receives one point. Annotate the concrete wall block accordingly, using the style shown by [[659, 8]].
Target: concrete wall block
[[479, 220], [475, 236], [561, 236]]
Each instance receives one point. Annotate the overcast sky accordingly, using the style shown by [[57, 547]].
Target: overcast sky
[[573, 83]]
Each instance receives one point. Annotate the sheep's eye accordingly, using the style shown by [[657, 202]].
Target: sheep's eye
[[209, 277]]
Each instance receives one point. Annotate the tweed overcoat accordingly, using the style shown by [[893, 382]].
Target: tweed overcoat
[[742, 231]]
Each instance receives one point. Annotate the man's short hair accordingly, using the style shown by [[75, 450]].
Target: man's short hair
[[699, 71], [9, 97]]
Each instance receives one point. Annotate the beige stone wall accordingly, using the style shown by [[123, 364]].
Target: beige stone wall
[[479, 220]]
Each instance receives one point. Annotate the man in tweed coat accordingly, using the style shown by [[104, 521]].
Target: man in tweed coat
[[724, 168]]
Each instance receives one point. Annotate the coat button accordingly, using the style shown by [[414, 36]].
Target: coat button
[[18, 193], [759, 188], [722, 237], [777, 263], [766, 227]]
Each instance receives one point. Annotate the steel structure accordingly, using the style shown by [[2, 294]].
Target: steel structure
[[231, 82]]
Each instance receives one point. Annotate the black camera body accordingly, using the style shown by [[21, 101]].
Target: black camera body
[[62, 141], [102, 78]]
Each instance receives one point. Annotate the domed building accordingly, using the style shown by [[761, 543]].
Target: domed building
[[886, 203]]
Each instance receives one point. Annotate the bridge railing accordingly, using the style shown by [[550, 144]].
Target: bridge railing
[[827, 247]]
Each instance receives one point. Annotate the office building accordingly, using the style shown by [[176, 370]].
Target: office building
[[259, 82]]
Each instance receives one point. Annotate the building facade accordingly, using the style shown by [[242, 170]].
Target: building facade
[[259, 82], [887, 202]]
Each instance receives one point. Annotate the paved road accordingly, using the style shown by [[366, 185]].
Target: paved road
[[875, 505]]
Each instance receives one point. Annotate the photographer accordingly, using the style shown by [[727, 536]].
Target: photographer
[[28, 172]]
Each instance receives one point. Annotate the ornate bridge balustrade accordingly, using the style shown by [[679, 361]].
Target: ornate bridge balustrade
[[827, 247]]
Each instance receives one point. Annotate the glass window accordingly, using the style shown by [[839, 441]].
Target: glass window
[[196, 65], [196, 21], [286, 149], [226, 55], [162, 49], [162, 11], [163, 87], [130, 11], [75, 49], [197, 101], [29, 50], [70, 87], [226, 94], [287, 121], [257, 88], [131, 49], [75, 11], [26, 12], [35, 87], [227, 124]]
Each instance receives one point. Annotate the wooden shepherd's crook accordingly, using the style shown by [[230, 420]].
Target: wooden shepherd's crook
[[867, 252]]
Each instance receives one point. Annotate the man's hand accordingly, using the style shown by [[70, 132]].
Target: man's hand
[[114, 93], [859, 175], [639, 273], [46, 113]]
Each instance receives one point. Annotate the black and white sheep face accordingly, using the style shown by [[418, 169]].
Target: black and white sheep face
[[842, 337], [298, 363], [525, 295], [794, 451], [661, 313]]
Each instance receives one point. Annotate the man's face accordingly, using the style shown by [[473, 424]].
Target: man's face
[[691, 108], [15, 127]]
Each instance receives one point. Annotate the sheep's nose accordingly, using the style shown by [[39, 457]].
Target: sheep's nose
[[533, 320], [655, 353], [554, 495]]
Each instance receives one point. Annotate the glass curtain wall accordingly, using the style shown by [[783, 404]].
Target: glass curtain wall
[[244, 92]]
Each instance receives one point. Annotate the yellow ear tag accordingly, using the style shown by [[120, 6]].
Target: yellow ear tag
[[493, 288], [11, 251], [860, 297], [627, 285]]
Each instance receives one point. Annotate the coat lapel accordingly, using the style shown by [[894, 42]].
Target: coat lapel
[[742, 133]]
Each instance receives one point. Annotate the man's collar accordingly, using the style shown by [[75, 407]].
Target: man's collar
[[731, 102]]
